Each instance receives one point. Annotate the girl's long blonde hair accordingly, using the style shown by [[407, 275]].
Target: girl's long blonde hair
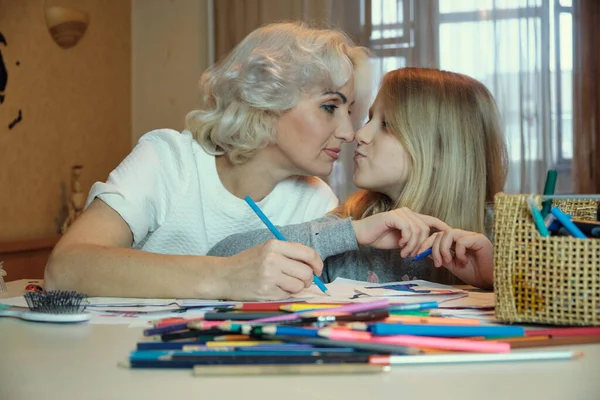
[[450, 126]]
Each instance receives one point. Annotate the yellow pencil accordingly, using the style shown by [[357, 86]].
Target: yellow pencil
[[241, 343], [307, 306]]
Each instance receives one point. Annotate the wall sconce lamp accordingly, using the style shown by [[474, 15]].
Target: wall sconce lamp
[[66, 25]]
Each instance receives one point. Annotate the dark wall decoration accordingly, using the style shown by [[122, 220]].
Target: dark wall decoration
[[4, 83]]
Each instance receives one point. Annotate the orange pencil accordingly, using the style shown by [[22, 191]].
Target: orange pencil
[[230, 338]]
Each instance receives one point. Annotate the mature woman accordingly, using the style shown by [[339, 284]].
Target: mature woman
[[274, 115]]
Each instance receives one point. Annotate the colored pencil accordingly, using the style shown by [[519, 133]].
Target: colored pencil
[[422, 254], [478, 346], [205, 325], [362, 346], [567, 223], [413, 313], [229, 338], [554, 341], [375, 315], [180, 355], [537, 217], [262, 347], [308, 369], [308, 306], [242, 316], [340, 334], [279, 236], [549, 188], [190, 362], [172, 345], [239, 343], [268, 306], [414, 307], [350, 308], [380, 329], [409, 319], [166, 328], [556, 332], [289, 331], [191, 334], [475, 358], [295, 347]]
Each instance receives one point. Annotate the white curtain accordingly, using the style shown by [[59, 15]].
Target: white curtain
[[520, 49]]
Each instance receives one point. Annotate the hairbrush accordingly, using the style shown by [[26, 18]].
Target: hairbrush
[[54, 306]]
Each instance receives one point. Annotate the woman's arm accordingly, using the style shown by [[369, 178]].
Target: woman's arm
[[94, 257]]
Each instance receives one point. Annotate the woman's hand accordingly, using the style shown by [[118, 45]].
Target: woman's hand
[[399, 228], [272, 270], [473, 258]]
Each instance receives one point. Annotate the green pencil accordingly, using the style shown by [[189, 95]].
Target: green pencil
[[549, 188]]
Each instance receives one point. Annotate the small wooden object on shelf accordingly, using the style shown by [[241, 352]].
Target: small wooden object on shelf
[[76, 201]]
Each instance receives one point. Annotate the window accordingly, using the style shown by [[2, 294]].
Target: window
[[521, 50]]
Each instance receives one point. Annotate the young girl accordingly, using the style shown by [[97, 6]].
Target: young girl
[[275, 112], [433, 147]]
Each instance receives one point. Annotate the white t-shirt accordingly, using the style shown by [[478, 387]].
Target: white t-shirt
[[169, 193]]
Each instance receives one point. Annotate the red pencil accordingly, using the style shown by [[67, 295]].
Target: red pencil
[[173, 321], [563, 332]]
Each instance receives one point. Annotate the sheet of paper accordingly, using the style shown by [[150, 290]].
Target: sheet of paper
[[347, 290], [475, 300]]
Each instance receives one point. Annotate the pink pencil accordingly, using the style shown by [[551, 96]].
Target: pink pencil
[[479, 346], [563, 332], [344, 334]]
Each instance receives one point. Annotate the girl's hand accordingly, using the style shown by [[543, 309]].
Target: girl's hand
[[473, 258], [400, 228]]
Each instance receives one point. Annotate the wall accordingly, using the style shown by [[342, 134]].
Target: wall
[[169, 54], [76, 109]]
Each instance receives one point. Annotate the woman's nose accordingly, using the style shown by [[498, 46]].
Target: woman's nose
[[345, 131]]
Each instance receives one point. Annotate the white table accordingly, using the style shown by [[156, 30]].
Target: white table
[[44, 361]]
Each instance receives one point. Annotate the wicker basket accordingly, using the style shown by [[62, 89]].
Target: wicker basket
[[548, 280]]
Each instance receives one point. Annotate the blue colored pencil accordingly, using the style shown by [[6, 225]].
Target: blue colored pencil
[[417, 306], [537, 217], [567, 223], [289, 331], [422, 255], [158, 355], [380, 329], [279, 236], [186, 361]]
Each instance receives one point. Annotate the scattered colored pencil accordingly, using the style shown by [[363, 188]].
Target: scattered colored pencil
[[309, 369], [475, 358]]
